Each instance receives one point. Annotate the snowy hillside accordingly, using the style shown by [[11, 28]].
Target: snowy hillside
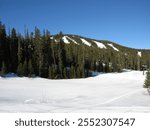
[[113, 92]]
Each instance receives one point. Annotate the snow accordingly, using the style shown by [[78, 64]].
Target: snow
[[10, 75], [72, 40], [85, 42], [112, 92], [111, 45], [65, 40], [139, 54], [100, 45], [55, 40], [51, 37]]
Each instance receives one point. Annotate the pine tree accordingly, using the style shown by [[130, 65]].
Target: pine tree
[[38, 52], [13, 51], [3, 44], [61, 57], [20, 53]]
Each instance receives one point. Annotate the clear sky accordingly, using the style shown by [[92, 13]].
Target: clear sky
[[126, 22]]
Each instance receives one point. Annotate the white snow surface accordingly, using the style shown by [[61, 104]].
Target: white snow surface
[[51, 37], [139, 54], [111, 45], [112, 92], [99, 44], [85, 42], [72, 40], [64, 38]]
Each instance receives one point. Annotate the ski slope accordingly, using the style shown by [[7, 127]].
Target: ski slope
[[113, 92]]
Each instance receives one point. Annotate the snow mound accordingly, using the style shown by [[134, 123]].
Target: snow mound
[[111, 45], [10, 75], [100, 45], [85, 42]]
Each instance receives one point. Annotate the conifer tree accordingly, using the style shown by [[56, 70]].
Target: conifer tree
[[147, 80], [13, 51], [61, 58], [20, 53], [3, 44]]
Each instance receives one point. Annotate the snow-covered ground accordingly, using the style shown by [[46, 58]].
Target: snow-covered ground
[[113, 92]]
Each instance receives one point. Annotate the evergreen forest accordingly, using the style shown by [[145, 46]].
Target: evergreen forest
[[39, 53]]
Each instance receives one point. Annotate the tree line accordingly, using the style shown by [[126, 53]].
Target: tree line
[[38, 54]]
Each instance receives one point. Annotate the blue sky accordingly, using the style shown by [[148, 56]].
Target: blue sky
[[123, 21]]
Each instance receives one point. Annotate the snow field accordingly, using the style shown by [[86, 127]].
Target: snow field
[[112, 92]]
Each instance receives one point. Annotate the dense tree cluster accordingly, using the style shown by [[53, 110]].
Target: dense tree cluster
[[39, 54]]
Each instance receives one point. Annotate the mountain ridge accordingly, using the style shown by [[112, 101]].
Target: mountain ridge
[[102, 41]]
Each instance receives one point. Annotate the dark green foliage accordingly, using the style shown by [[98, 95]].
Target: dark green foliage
[[40, 54], [72, 72], [52, 74], [20, 70], [25, 68], [147, 80], [3, 69], [30, 69], [65, 73]]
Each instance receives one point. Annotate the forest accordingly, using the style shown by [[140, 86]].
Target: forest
[[42, 54]]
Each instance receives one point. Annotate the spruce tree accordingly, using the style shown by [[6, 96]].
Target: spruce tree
[[3, 44], [13, 51], [61, 57]]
